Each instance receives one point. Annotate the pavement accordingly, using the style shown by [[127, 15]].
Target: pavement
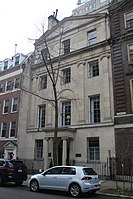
[[107, 185]]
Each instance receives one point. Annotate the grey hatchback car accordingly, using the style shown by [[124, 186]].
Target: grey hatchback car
[[73, 179]]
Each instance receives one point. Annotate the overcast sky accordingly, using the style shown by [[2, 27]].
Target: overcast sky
[[20, 20]]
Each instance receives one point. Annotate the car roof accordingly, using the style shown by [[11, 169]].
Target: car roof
[[69, 166]]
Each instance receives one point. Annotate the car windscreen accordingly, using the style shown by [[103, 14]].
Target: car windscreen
[[89, 171]]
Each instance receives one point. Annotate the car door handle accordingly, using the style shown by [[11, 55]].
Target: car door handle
[[54, 177], [69, 177]]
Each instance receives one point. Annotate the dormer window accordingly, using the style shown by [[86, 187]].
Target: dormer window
[[5, 65], [17, 60]]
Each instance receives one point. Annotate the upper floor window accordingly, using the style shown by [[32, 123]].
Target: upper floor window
[[129, 19], [3, 129], [12, 129], [14, 104], [16, 83], [93, 148], [92, 37], [38, 149], [1, 87], [6, 106], [95, 109], [17, 60], [5, 65], [93, 68], [66, 46], [42, 114], [66, 76], [66, 113], [45, 54], [43, 82], [8, 85], [130, 54]]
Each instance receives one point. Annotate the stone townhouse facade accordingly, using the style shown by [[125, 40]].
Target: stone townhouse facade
[[10, 79], [86, 126], [121, 28]]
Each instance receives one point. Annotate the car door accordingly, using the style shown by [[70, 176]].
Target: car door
[[50, 178], [66, 177]]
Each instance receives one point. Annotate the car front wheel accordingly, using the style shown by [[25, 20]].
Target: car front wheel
[[34, 185], [74, 190]]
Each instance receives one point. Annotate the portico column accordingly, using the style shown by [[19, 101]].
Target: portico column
[[64, 153], [46, 144]]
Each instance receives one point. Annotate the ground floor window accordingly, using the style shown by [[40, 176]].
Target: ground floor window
[[93, 148], [38, 149]]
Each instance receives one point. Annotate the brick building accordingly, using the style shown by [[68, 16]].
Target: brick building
[[121, 30], [10, 79]]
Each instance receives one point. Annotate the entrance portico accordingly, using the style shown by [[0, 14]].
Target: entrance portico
[[65, 139]]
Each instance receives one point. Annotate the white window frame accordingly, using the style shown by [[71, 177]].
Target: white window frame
[[94, 111], [41, 108], [5, 65], [43, 82], [2, 130], [38, 151], [92, 68], [66, 76], [1, 87], [66, 113], [125, 17], [4, 105], [93, 152], [11, 129], [14, 104], [17, 60], [66, 48], [8, 84], [16, 83], [92, 37], [130, 54]]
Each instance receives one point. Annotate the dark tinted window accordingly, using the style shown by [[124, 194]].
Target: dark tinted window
[[53, 171], [89, 171], [69, 171], [2, 163]]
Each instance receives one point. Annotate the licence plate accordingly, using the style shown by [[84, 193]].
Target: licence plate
[[19, 170]]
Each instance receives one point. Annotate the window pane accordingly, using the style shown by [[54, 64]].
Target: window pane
[[66, 113], [93, 148], [17, 83], [3, 129], [42, 110], [129, 20], [1, 88], [92, 37], [6, 105], [15, 104], [38, 149], [12, 129], [95, 109], [66, 75], [66, 44], [43, 82], [93, 68], [131, 54]]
